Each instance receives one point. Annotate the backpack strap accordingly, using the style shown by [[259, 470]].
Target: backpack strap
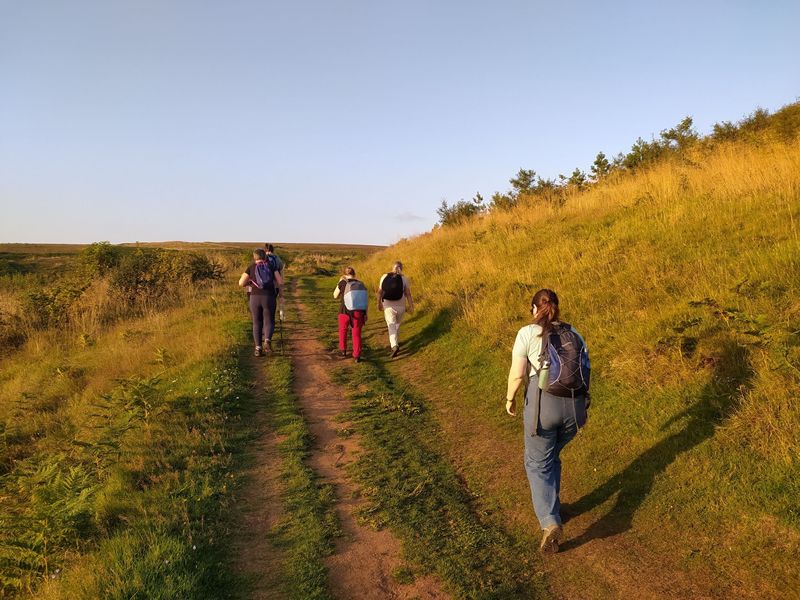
[[543, 352], [535, 410], [537, 399]]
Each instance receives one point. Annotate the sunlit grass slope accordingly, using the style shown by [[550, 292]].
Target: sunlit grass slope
[[685, 280]]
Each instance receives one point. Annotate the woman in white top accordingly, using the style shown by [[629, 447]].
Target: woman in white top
[[554, 410], [393, 293]]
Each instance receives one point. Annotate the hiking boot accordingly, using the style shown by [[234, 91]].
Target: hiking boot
[[550, 539], [343, 353], [258, 351], [358, 359], [268, 346], [395, 350]]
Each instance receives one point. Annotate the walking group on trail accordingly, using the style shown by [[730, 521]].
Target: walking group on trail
[[549, 358], [393, 293], [263, 280]]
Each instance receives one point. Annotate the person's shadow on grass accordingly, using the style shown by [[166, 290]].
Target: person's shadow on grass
[[439, 325], [732, 372]]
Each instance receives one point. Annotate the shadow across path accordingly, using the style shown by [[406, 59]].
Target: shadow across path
[[439, 325], [732, 374]]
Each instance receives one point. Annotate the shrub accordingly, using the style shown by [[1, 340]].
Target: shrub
[[141, 277], [502, 202], [724, 131], [460, 211], [12, 334], [577, 179], [783, 125], [202, 268], [147, 276], [99, 258], [642, 153], [600, 167], [524, 182], [50, 306]]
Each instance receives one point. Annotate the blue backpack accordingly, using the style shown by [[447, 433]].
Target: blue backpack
[[265, 278], [569, 367]]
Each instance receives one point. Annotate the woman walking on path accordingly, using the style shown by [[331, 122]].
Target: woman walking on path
[[277, 263], [554, 356], [352, 310], [393, 292], [273, 258], [263, 281]]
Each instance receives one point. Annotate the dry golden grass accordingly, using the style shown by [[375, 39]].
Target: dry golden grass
[[685, 280]]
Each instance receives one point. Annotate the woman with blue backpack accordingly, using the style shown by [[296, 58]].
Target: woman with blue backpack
[[554, 358], [352, 310], [263, 280]]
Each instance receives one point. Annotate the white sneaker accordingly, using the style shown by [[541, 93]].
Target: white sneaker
[[550, 539]]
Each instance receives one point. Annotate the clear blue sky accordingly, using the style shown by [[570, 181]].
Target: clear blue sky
[[346, 121]]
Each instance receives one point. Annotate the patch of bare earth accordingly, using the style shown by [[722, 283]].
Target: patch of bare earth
[[364, 559], [258, 508], [616, 566]]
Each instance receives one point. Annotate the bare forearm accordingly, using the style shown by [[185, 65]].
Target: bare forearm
[[514, 382]]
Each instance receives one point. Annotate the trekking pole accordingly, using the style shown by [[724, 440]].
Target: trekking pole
[[280, 328]]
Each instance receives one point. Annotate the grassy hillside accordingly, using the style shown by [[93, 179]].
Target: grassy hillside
[[685, 279]]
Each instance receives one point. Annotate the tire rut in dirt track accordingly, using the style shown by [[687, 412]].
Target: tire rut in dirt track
[[259, 507], [364, 559]]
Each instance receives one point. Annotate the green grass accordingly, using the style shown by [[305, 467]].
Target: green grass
[[308, 527], [117, 456], [411, 487], [121, 440], [683, 279], [136, 508]]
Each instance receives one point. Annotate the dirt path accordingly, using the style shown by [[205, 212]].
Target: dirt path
[[259, 506], [617, 566], [364, 560]]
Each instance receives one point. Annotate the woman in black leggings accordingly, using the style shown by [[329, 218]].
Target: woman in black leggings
[[263, 281]]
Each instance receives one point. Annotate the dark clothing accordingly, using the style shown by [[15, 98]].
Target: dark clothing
[[276, 260], [342, 285], [255, 290], [262, 307]]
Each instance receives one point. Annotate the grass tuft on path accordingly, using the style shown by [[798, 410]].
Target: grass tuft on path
[[413, 490], [307, 530]]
